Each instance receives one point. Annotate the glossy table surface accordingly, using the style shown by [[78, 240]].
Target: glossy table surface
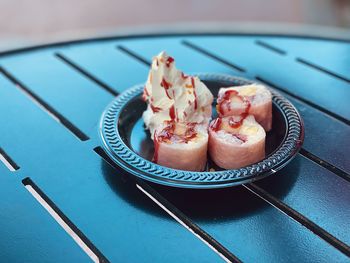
[[63, 200]]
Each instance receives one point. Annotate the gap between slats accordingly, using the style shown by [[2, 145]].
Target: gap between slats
[[302, 61], [134, 55], [270, 47], [296, 216], [313, 105], [325, 164], [321, 69], [45, 106], [176, 214], [64, 222], [8, 161], [85, 73]]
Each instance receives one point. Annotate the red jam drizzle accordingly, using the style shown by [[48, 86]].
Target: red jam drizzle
[[166, 85], [194, 93], [167, 134], [190, 132], [226, 99], [183, 76], [172, 112], [169, 61], [164, 135], [155, 109], [216, 124]]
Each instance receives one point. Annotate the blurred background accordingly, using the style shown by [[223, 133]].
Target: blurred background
[[26, 21]]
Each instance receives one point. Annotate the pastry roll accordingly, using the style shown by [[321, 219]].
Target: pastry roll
[[251, 99], [236, 141], [181, 145]]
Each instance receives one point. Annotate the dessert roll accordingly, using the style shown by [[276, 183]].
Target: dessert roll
[[181, 145], [173, 95], [236, 141], [251, 99]]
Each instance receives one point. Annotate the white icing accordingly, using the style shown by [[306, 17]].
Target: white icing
[[180, 93]]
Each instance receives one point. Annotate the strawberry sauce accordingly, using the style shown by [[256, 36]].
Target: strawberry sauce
[[194, 93], [169, 61], [166, 85], [155, 109], [216, 124], [172, 112], [225, 100], [167, 134]]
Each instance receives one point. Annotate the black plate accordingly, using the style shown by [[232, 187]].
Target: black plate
[[127, 142]]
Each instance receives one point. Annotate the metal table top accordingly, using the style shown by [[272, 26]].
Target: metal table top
[[62, 200]]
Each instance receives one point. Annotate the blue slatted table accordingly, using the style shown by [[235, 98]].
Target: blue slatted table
[[51, 99]]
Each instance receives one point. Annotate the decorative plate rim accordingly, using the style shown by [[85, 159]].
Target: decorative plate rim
[[133, 163]]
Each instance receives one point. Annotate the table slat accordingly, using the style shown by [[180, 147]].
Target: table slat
[[91, 194], [331, 56], [27, 231], [308, 183]]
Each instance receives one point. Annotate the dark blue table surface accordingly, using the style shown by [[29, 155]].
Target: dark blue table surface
[[51, 100]]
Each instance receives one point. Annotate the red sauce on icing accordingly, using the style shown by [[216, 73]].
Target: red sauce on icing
[[169, 61], [155, 109], [190, 131], [167, 131], [166, 85], [226, 99], [216, 124], [183, 76], [167, 134], [172, 112], [194, 93]]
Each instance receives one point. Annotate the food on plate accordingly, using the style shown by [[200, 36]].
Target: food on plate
[[177, 115], [236, 141], [253, 99], [181, 145], [172, 95]]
